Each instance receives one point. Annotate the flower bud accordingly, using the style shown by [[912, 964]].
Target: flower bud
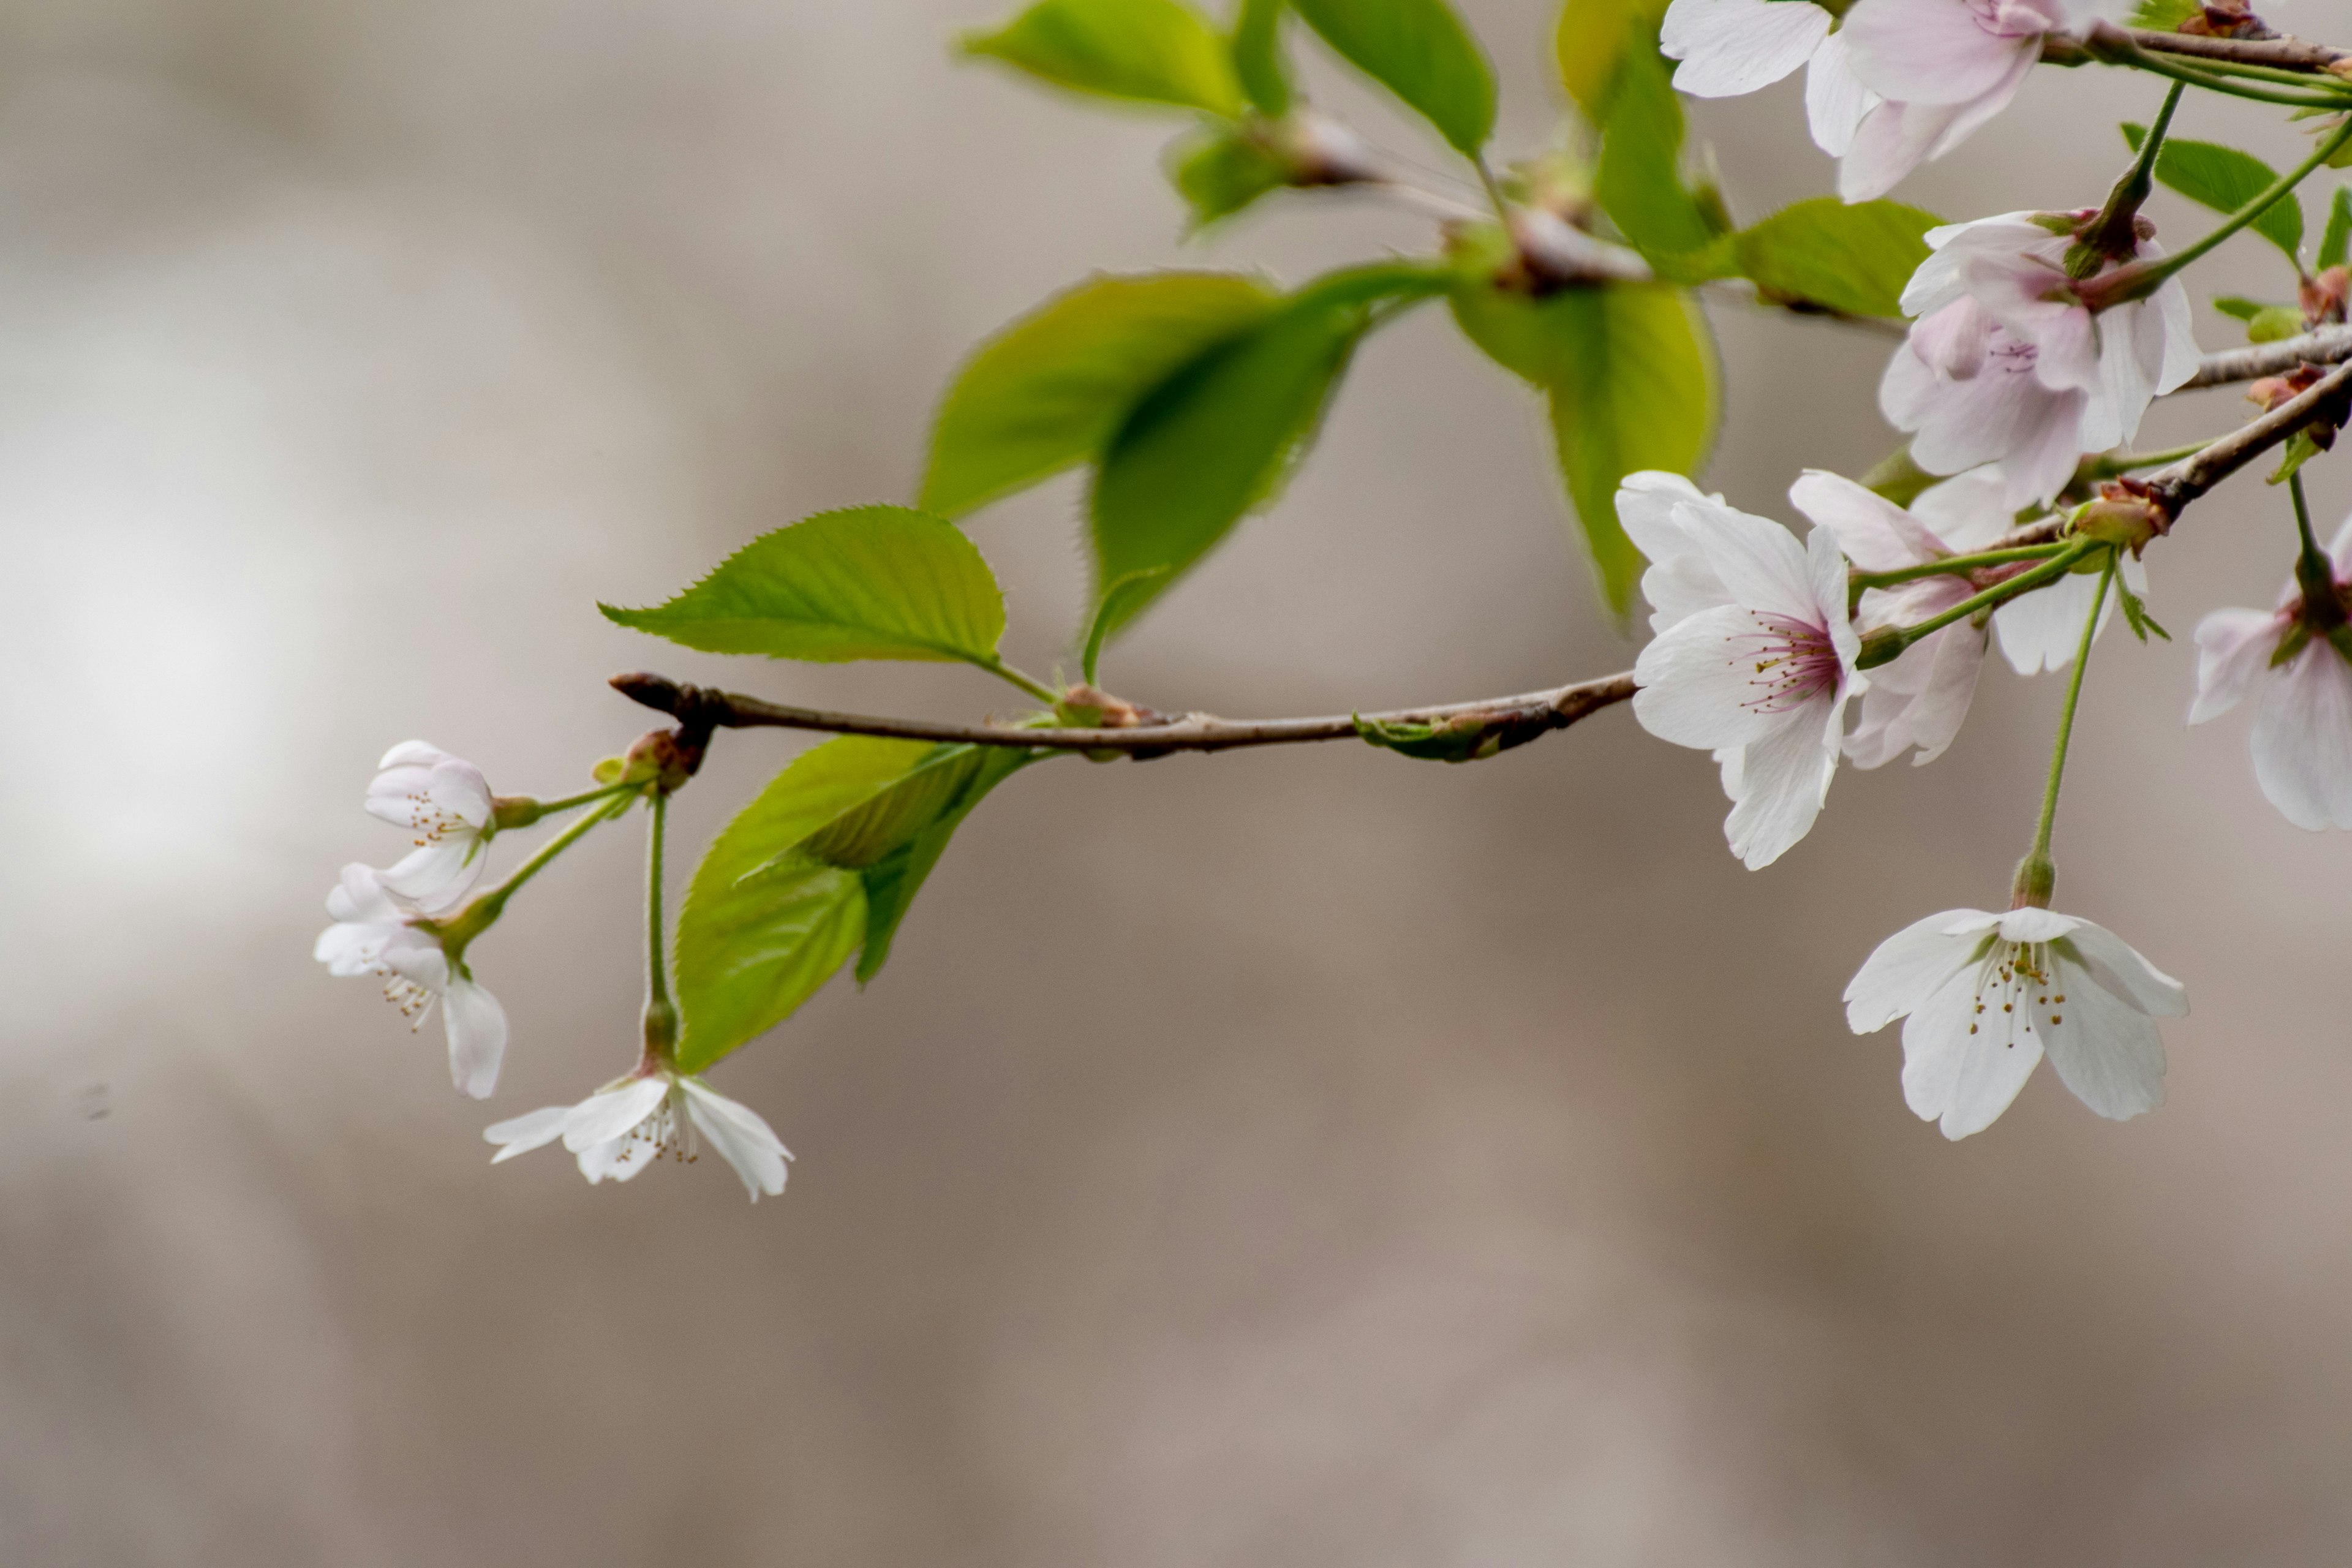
[[657, 757], [2036, 879], [2125, 515]]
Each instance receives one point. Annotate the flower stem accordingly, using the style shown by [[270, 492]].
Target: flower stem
[[2314, 559], [1028, 683], [2142, 278], [1885, 646], [660, 1017], [476, 917], [2037, 873], [548, 807], [2194, 76], [2111, 234], [2115, 463], [1955, 564]]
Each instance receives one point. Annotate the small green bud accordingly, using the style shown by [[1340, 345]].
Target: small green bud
[[2036, 878], [514, 811], [1883, 645]]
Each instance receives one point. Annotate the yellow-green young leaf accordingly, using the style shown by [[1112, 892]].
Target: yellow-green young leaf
[[1639, 183], [1420, 50], [869, 581], [1222, 170], [2163, 16], [1258, 59], [1632, 380], [1049, 390], [892, 881], [1591, 43], [1146, 51], [1215, 440], [2335, 245], [2225, 179], [1851, 259]]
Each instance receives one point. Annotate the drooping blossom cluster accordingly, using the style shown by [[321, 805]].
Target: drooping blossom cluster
[[402, 924]]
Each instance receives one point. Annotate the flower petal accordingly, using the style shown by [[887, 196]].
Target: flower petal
[[435, 876], [1784, 777], [2233, 647], [522, 1134], [2041, 629], [610, 1114], [1956, 1070], [2124, 971], [1728, 47], [2108, 1051], [1966, 511], [742, 1138], [2302, 738], [1930, 51], [478, 1037], [1761, 563], [1907, 968], [1699, 680], [1876, 534], [1835, 100]]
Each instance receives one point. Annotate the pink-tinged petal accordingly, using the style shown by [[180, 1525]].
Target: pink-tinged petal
[[1969, 118], [1876, 534], [1646, 502], [522, 1134], [1919, 700], [1732, 47], [1954, 333], [610, 1114], [2122, 971], [1706, 681], [2340, 552], [1835, 100], [478, 1037], [1907, 968], [2302, 738], [1968, 511], [1957, 1071], [2041, 628], [1784, 777], [2108, 1052], [1680, 588], [1825, 565], [2233, 647], [1892, 140], [2001, 415], [1761, 563], [1929, 51], [2069, 357], [2179, 356]]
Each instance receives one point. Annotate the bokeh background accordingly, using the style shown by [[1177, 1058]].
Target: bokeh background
[[1300, 1158]]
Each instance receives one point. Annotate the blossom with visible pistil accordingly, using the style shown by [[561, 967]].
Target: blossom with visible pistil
[[632, 1121], [2008, 362], [1985, 996], [1754, 660], [2302, 739], [447, 803], [374, 935], [1728, 47], [1938, 70]]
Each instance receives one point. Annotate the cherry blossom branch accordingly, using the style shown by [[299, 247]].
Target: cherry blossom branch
[[2141, 279], [2286, 54], [2111, 44], [1511, 720], [2324, 345]]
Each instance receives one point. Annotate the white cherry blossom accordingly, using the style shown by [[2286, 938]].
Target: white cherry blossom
[[1754, 660], [373, 935], [2302, 739], [1728, 47], [632, 1121], [445, 802], [1985, 996], [2005, 364], [1936, 70]]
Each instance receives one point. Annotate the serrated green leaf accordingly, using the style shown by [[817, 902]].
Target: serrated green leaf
[[1119, 601], [2239, 307], [868, 582], [1050, 390], [1258, 61], [2135, 614], [2225, 179], [2300, 448], [1145, 51], [1591, 43], [1851, 259], [1215, 439], [1222, 170], [2335, 245], [892, 882], [1420, 50], [2163, 16], [1639, 183], [1632, 380]]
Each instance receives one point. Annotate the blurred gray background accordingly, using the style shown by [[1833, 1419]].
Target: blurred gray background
[[1299, 1158]]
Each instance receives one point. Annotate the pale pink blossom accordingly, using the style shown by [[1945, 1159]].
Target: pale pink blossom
[[2006, 363], [1754, 660], [375, 934], [1984, 996], [2302, 738], [1728, 47], [1936, 70]]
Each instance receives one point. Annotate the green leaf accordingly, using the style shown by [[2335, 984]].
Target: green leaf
[[2136, 613], [1222, 170], [1420, 50], [1258, 61], [1632, 380], [1851, 259], [2163, 16], [1148, 51], [1215, 440], [869, 581], [1592, 44], [2239, 307], [1466, 739], [892, 882], [2225, 179], [1050, 390], [2300, 448], [2276, 324], [1119, 601], [1899, 478], [1639, 183], [2335, 245]]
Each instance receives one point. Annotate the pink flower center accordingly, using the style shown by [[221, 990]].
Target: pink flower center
[[1793, 663]]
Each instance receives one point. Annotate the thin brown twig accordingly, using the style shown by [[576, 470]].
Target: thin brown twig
[[2327, 345], [2287, 54], [1510, 721]]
